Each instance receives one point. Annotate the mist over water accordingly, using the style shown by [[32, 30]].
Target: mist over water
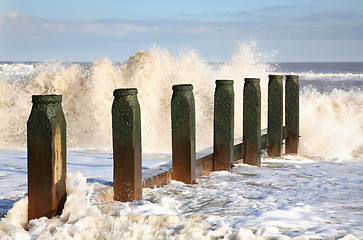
[[331, 117]]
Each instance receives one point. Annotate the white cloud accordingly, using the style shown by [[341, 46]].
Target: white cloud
[[102, 35], [16, 23], [338, 15], [19, 25], [14, 15]]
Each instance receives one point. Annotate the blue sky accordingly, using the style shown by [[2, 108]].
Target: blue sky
[[84, 30]]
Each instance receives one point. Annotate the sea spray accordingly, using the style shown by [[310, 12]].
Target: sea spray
[[331, 123], [87, 95]]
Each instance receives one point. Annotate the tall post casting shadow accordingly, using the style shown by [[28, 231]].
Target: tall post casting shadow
[[275, 117], [183, 133], [126, 131], [223, 125], [292, 114], [252, 122], [46, 143]]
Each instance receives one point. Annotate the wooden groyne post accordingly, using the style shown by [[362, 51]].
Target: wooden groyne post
[[183, 133], [252, 122], [223, 125], [275, 116], [46, 144], [46, 139], [292, 114], [126, 132]]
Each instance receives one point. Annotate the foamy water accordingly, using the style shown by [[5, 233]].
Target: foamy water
[[289, 198], [317, 196]]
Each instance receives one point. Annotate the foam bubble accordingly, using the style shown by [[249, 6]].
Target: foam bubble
[[83, 219]]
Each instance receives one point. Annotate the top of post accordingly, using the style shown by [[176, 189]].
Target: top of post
[[224, 82], [123, 92], [292, 77], [275, 76], [252, 80], [47, 98], [183, 87]]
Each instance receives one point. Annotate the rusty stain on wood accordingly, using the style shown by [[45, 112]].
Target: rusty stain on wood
[[46, 144], [183, 133], [127, 151]]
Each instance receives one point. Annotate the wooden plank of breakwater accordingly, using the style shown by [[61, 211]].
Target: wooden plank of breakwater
[[204, 165], [157, 177], [160, 176]]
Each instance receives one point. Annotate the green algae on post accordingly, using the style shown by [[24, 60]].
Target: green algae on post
[[275, 116], [223, 125], [252, 122], [292, 114], [127, 153], [183, 133], [46, 143]]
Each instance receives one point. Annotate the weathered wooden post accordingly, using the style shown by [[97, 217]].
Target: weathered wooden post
[[275, 117], [223, 125], [46, 143], [126, 131], [292, 114], [183, 133], [252, 122]]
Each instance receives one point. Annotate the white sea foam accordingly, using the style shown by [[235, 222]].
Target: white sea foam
[[16, 71], [314, 76], [290, 198]]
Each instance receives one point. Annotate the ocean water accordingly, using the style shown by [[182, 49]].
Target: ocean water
[[315, 195]]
